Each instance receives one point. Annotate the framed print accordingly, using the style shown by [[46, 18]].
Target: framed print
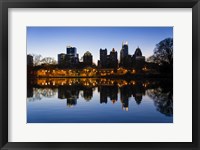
[[104, 74]]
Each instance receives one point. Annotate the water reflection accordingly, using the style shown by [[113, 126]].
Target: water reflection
[[160, 91], [163, 98], [37, 93]]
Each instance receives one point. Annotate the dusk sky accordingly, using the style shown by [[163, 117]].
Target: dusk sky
[[50, 41]]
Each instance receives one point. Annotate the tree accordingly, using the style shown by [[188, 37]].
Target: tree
[[36, 59], [163, 55], [48, 61]]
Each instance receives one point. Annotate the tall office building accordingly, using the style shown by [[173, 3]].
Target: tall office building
[[113, 61], [138, 59], [61, 59], [123, 52], [108, 61], [138, 52], [71, 57], [87, 59], [125, 58], [103, 58]]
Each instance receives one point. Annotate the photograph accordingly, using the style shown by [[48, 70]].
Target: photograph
[[99, 74]]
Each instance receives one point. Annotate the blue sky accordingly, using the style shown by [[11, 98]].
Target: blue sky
[[50, 41]]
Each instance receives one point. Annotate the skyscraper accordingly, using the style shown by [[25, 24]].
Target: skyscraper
[[138, 59], [123, 52], [61, 59], [71, 50], [71, 57], [103, 58], [113, 62], [124, 56], [87, 59]]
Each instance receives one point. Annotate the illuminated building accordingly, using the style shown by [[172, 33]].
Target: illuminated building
[[123, 53]]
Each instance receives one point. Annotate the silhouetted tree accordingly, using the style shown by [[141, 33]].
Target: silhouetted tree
[[36, 59], [163, 55], [48, 61]]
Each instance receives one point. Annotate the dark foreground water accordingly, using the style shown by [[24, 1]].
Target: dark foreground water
[[89, 100]]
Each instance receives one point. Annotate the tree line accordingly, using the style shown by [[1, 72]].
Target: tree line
[[163, 55], [39, 60]]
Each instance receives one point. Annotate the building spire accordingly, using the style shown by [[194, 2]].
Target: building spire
[[124, 43]]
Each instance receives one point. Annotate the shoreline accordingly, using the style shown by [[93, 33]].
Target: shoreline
[[138, 76]]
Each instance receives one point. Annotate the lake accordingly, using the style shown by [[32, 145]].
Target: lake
[[99, 100]]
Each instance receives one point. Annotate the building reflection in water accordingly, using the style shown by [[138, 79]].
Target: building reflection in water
[[69, 93], [71, 88], [108, 92], [87, 94]]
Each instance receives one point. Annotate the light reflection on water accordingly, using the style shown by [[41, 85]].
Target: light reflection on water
[[90, 100]]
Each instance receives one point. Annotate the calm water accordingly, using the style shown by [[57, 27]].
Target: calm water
[[87, 100]]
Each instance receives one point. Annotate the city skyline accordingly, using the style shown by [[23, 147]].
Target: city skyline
[[100, 74], [49, 41]]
